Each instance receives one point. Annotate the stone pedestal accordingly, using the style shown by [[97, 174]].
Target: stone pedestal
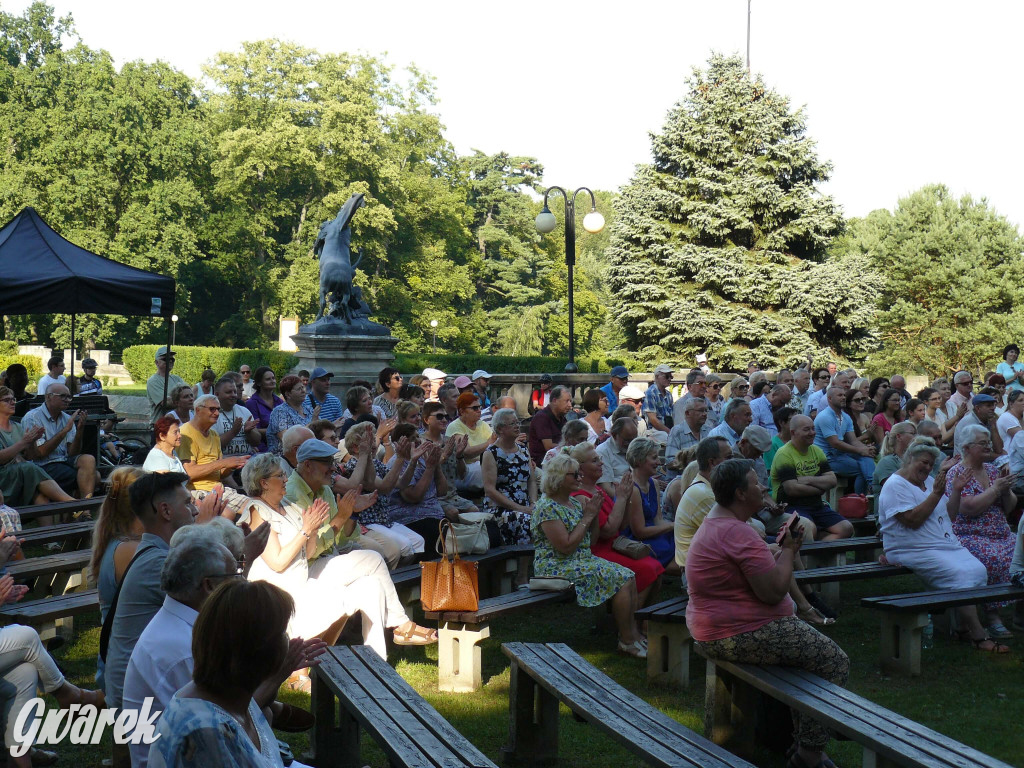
[[347, 357]]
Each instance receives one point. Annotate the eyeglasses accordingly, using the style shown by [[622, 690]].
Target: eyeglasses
[[245, 370], [61, 397], [743, 386], [474, 407], [858, 400], [987, 444], [396, 377], [575, 474], [211, 408], [239, 573], [824, 376], [965, 383], [7, 400], [441, 416], [715, 386]]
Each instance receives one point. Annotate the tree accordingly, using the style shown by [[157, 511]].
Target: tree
[[720, 245], [950, 288]]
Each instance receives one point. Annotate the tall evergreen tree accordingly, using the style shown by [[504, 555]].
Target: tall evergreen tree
[[719, 245]]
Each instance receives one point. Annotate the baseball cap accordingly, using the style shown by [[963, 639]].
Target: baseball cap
[[620, 371], [88, 363], [163, 352], [434, 373], [630, 392], [664, 368], [758, 437], [480, 373], [978, 399], [463, 381], [315, 449], [319, 373]]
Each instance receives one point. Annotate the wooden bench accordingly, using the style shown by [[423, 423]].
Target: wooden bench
[[904, 616], [51, 614], [459, 664], [888, 739], [372, 696], [59, 573], [544, 675], [851, 572], [817, 554], [33, 511], [80, 532], [496, 573], [668, 641]]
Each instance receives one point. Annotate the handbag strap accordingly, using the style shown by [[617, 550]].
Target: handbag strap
[[108, 622], [440, 546]]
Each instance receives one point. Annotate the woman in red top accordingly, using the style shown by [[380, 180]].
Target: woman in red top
[[740, 609], [611, 518], [888, 414]]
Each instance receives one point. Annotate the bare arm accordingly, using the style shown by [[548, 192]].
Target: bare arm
[[489, 472], [566, 542], [772, 586]]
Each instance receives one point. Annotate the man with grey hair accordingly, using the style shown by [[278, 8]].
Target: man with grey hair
[[546, 424], [448, 396], [200, 450], [698, 499], [658, 406], [695, 387], [736, 417], [801, 389], [59, 450], [982, 414], [963, 391], [613, 453], [691, 430], [505, 401], [292, 438], [762, 408]]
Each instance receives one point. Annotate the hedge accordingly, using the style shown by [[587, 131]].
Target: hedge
[[416, 362], [190, 362], [32, 364]]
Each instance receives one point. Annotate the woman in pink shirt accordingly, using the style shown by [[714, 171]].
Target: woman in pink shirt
[[740, 609]]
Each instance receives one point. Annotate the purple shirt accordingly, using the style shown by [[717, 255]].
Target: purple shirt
[[261, 413]]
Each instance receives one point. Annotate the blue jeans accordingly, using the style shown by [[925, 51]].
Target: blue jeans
[[861, 467]]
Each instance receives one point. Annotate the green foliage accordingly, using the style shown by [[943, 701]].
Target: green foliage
[[949, 282], [720, 244], [458, 364], [32, 364], [190, 362]]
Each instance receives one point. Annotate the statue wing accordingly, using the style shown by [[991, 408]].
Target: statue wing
[[348, 210]]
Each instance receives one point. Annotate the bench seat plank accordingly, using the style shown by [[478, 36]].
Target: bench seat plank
[[32, 511], [851, 572], [34, 567], [941, 599], [37, 611], [854, 544], [494, 607], [59, 532], [624, 717], [672, 610]]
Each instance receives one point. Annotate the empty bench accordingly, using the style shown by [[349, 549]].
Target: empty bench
[[57, 573], [904, 616], [35, 511], [80, 533], [668, 641], [545, 674], [51, 614], [888, 739], [459, 663], [372, 696]]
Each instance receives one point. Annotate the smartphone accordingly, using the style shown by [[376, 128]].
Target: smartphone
[[791, 524]]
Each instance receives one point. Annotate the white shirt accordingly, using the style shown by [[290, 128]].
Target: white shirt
[[1004, 424], [226, 422], [160, 664], [158, 461], [899, 495], [46, 381], [614, 461]]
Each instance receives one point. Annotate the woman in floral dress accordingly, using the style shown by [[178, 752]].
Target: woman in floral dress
[[562, 529], [979, 498], [510, 487]]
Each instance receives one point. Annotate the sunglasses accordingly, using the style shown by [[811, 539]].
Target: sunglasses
[[715, 386], [474, 408], [441, 416], [824, 376], [858, 400]]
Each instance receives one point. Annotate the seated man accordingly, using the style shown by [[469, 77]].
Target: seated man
[[691, 430], [736, 416], [201, 455], [613, 453], [239, 431], [834, 435], [59, 450], [801, 474]]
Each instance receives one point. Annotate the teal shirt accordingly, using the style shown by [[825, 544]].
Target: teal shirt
[[299, 493]]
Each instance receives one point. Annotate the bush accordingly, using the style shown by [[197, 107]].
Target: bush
[[32, 364], [190, 362], [454, 364]]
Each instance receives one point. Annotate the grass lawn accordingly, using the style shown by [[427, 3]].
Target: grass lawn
[[970, 696], [138, 390]]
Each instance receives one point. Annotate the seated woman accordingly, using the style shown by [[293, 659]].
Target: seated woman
[[611, 519], [738, 387], [1009, 422], [205, 384], [643, 512], [740, 609], [876, 392], [562, 529], [916, 533], [892, 454], [375, 475], [409, 413], [676, 469], [573, 433], [421, 381], [412, 394], [861, 419], [979, 501], [182, 399], [453, 466], [916, 411], [480, 437], [510, 482], [115, 538], [22, 482], [713, 384], [263, 401], [595, 403], [933, 402], [294, 411], [359, 404], [889, 414], [162, 457], [417, 504], [389, 382], [330, 587]]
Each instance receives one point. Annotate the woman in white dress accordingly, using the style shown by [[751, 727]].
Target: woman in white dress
[[162, 456]]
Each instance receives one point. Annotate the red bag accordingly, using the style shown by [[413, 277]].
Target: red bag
[[853, 505]]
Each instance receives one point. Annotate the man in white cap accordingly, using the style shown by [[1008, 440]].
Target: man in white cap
[[658, 400], [319, 394], [633, 396], [155, 388], [436, 378], [481, 379]]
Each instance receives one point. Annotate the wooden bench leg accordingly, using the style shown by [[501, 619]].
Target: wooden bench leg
[[459, 665], [668, 653], [875, 760], [533, 723], [730, 709], [332, 743], [900, 645]]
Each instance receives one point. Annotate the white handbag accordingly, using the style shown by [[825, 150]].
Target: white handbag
[[470, 534]]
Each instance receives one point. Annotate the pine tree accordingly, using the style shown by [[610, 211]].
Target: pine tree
[[720, 245]]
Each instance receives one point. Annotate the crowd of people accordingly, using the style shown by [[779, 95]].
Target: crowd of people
[[275, 511]]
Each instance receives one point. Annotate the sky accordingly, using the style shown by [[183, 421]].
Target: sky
[[897, 94]]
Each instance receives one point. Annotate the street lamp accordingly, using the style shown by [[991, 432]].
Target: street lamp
[[592, 222], [433, 327], [174, 328]]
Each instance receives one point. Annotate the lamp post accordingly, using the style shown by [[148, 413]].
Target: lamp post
[[592, 222], [433, 327], [174, 328]]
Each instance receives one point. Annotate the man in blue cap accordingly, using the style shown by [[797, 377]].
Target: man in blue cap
[[319, 394], [984, 414], [620, 377]]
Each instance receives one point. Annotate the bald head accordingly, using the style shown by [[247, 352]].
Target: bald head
[[293, 437], [801, 430], [57, 398], [898, 382], [780, 395]]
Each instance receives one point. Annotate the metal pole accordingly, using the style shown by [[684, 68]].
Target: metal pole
[[570, 263], [435, 339], [72, 345], [748, 36]]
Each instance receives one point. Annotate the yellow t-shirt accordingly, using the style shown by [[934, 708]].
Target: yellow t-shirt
[[200, 450], [480, 434]]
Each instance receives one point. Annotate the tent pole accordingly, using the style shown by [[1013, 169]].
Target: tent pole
[[167, 374], [72, 345]]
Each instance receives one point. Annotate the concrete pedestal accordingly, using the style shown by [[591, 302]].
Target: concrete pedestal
[[347, 357]]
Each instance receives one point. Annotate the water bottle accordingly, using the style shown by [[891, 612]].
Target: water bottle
[[928, 635]]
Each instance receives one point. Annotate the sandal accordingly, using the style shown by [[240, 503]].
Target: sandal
[[293, 719], [993, 646], [415, 635], [634, 649], [299, 682], [813, 617], [998, 632], [823, 608]]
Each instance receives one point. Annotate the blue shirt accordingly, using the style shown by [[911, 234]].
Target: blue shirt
[[828, 423], [1006, 370], [658, 402], [761, 410], [724, 430], [613, 399], [330, 407]]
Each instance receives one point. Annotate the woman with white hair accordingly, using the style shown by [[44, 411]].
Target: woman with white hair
[[643, 512], [980, 498], [562, 529], [327, 589], [917, 533], [510, 482], [892, 454]]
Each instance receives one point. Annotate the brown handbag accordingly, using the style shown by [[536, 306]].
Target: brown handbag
[[449, 584]]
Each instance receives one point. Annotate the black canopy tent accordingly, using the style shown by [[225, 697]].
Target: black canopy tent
[[42, 273]]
